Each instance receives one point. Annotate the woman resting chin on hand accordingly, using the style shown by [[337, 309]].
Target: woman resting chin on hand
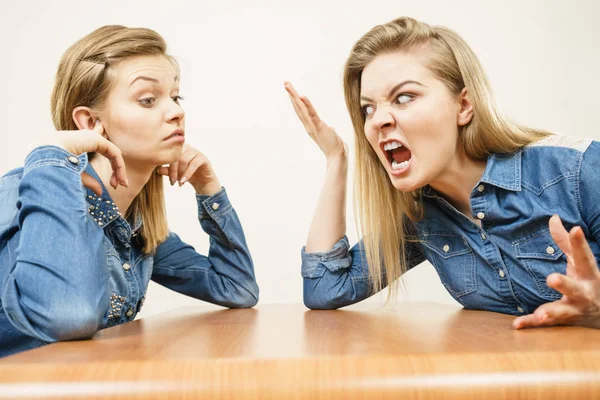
[[76, 258]]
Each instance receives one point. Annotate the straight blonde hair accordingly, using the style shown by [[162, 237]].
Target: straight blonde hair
[[383, 212], [83, 79]]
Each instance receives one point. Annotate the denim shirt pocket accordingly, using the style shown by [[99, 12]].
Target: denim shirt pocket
[[541, 256], [454, 261]]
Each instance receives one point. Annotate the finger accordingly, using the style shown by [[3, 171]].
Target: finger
[[112, 152], [561, 313], [526, 321], [186, 158], [312, 113], [173, 168], [98, 127], [299, 105], [538, 318], [89, 182], [301, 112], [194, 165], [566, 285], [585, 266], [560, 234], [163, 171]]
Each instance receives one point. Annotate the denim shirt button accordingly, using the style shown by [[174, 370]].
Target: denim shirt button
[[215, 206], [480, 188], [129, 312], [483, 236], [550, 250], [480, 215], [446, 248], [519, 309], [126, 267], [73, 160], [501, 273]]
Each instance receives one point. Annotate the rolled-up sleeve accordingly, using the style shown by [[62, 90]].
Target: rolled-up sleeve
[[224, 277]]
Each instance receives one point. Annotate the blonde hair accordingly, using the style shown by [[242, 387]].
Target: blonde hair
[[381, 209], [83, 79]]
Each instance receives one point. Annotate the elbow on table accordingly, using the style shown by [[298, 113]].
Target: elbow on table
[[318, 300], [244, 298], [73, 323]]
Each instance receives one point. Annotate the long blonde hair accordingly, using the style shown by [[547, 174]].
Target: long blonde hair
[[83, 79], [382, 210]]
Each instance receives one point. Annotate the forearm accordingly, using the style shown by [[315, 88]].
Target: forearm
[[329, 220], [59, 254]]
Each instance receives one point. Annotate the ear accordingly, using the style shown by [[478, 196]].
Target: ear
[[84, 118], [465, 113]]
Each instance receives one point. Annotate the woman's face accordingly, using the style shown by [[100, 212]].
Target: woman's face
[[411, 119], [142, 115]]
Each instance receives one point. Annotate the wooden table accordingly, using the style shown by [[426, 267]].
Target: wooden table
[[412, 350]]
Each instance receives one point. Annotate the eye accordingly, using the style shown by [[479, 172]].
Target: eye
[[147, 101], [404, 98], [367, 110], [177, 99]]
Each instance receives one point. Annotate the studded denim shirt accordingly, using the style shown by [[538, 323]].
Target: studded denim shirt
[[70, 264], [501, 266]]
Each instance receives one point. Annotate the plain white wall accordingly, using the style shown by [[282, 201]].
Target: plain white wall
[[542, 58]]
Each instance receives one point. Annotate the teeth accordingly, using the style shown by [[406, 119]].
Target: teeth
[[402, 165], [392, 146]]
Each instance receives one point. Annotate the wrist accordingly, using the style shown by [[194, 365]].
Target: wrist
[[209, 189], [339, 160]]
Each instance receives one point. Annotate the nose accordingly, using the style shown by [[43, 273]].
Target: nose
[[382, 119], [175, 112]]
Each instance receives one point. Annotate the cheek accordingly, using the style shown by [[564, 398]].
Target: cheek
[[129, 123], [429, 126]]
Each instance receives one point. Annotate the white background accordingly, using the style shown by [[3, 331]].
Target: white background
[[542, 58]]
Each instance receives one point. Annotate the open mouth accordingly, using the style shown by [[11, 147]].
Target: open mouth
[[398, 156]]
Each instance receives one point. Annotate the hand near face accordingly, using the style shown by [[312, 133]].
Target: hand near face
[[580, 303], [195, 168], [91, 141], [325, 136]]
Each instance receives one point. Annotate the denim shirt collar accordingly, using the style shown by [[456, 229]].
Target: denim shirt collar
[[501, 170], [504, 171], [103, 209]]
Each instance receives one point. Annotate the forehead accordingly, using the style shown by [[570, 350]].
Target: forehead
[[153, 66], [388, 69]]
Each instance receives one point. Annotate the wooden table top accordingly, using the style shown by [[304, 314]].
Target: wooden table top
[[409, 350]]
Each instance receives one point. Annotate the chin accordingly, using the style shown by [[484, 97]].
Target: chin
[[405, 184], [171, 156]]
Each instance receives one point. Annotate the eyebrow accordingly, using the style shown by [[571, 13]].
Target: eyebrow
[[395, 89], [147, 78]]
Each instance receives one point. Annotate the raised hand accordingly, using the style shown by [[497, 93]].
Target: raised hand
[[324, 135]]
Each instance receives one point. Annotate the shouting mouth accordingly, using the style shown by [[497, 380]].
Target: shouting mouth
[[398, 156]]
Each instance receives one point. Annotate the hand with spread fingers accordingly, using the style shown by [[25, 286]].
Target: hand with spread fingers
[[580, 287], [324, 135], [195, 168]]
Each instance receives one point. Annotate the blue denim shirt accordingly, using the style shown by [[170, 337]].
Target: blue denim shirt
[[70, 264], [501, 266]]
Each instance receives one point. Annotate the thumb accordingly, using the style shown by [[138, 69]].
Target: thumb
[[89, 182]]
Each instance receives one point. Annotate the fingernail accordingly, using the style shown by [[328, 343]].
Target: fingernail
[[172, 180], [182, 181]]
